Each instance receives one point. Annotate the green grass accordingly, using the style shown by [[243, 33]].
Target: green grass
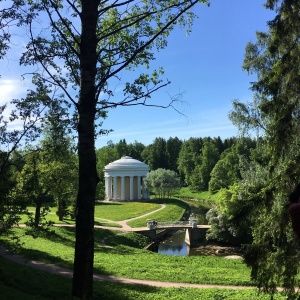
[[174, 211], [21, 282], [186, 193], [120, 254], [114, 211], [118, 211], [119, 258]]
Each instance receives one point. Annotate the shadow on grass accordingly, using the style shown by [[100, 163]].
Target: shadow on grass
[[22, 282], [47, 258], [107, 203], [119, 243], [62, 235]]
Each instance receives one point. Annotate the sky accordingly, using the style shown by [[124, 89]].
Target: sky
[[205, 67]]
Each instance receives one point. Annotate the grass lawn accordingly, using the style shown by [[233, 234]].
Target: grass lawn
[[115, 211], [186, 193], [175, 210], [120, 254], [118, 211], [21, 282]]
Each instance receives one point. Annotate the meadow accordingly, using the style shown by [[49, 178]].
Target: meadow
[[122, 255]]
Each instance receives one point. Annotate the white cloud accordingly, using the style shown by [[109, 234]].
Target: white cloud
[[11, 89]]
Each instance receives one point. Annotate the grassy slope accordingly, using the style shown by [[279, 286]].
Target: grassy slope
[[119, 259], [186, 193], [21, 282]]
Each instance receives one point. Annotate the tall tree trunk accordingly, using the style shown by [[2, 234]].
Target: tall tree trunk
[[38, 206], [60, 210], [88, 179]]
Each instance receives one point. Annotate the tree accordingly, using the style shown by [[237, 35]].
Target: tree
[[207, 160], [274, 112], [105, 155], [88, 44], [162, 182], [155, 154], [61, 165], [188, 158], [10, 206], [173, 147], [135, 150], [33, 186], [226, 172]]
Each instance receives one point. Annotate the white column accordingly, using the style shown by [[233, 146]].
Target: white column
[[115, 188], [143, 188], [122, 188], [131, 187], [108, 187], [139, 187]]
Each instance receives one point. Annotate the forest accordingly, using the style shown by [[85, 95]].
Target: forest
[[74, 60]]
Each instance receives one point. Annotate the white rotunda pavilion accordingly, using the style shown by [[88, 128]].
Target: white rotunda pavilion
[[124, 179]]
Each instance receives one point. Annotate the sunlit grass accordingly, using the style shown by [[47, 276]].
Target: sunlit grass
[[21, 282], [114, 211], [175, 210], [185, 192], [118, 211], [114, 255]]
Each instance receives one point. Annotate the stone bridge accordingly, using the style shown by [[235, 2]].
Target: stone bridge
[[194, 233]]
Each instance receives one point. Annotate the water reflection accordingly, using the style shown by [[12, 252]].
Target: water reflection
[[175, 245]]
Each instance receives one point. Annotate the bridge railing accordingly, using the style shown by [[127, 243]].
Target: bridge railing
[[172, 224], [151, 224]]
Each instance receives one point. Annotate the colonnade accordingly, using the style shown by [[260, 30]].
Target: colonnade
[[125, 187]]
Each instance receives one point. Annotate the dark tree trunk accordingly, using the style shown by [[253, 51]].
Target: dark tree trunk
[[88, 179], [38, 206], [60, 210]]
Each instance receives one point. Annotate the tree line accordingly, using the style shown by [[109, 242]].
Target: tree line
[[201, 163], [47, 172]]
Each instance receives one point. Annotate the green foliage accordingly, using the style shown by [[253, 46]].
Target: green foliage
[[227, 170], [162, 182], [207, 160], [155, 154], [274, 113]]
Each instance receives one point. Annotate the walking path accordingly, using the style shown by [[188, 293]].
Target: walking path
[[123, 223], [69, 273]]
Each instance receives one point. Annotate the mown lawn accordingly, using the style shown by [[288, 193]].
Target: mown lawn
[[118, 211], [115, 211], [119, 256], [175, 210], [186, 193], [21, 282]]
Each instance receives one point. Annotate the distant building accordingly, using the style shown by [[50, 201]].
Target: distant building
[[124, 179]]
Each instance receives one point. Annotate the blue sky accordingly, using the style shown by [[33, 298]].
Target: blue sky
[[205, 67]]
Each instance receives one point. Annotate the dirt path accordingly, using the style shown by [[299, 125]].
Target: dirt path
[[69, 273], [124, 222]]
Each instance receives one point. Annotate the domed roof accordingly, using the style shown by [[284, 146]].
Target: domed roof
[[126, 163]]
